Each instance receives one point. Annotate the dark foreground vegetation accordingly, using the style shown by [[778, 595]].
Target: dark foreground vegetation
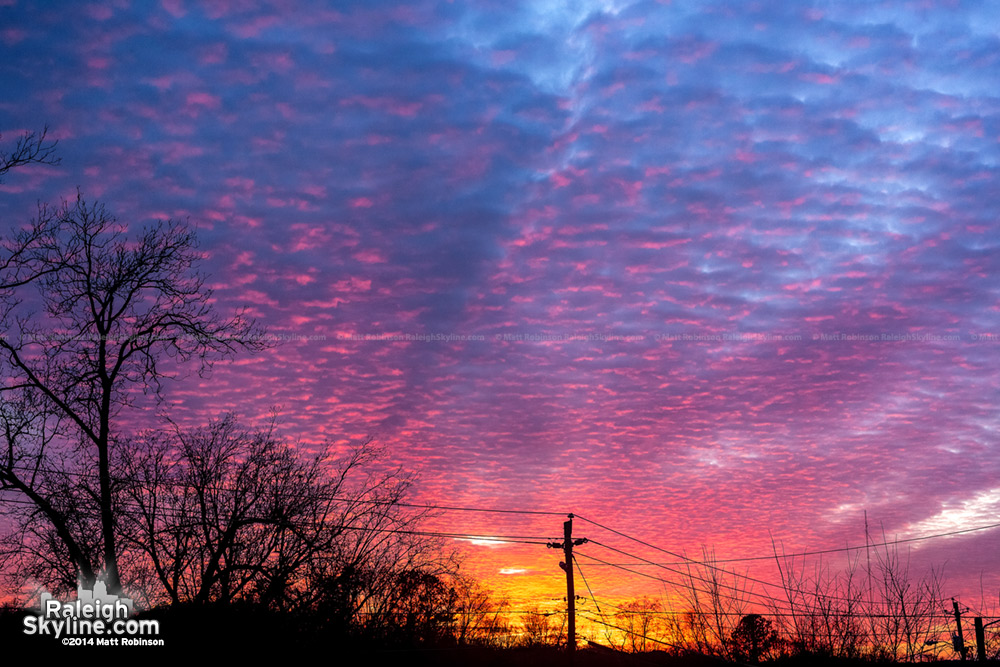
[[246, 631]]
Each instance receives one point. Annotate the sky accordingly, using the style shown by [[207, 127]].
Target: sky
[[710, 273]]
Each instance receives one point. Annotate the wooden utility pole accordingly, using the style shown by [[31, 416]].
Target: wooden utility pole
[[570, 590], [980, 639], [959, 640], [567, 546]]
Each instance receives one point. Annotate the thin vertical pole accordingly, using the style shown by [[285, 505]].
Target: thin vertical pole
[[959, 640], [980, 639], [570, 590]]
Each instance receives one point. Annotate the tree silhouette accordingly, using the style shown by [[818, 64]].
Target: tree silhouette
[[479, 615], [639, 619], [30, 148], [90, 315], [753, 638], [226, 513]]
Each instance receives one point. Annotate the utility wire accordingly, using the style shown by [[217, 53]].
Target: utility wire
[[715, 584], [888, 543], [804, 614], [333, 497], [693, 588], [774, 603], [705, 564], [589, 590], [634, 633], [425, 533]]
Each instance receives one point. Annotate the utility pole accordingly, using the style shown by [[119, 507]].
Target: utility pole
[[959, 641], [567, 546], [980, 639]]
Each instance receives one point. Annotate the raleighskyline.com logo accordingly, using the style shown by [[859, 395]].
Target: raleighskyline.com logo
[[95, 618]]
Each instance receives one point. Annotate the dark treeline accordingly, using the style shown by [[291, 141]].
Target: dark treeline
[[873, 611]]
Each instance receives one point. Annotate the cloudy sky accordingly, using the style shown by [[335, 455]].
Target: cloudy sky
[[706, 272]]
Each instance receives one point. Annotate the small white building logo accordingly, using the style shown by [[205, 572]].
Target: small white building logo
[[94, 618], [97, 603]]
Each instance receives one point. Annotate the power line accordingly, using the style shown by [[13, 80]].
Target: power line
[[742, 594], [819, 552], [636, 634], [535, 540], [634, 539], [784, 587], [587, 584], [769, 613], [709, 565], [334, 497], [693, 576], [492, 510], [692, 587], [458, 508]]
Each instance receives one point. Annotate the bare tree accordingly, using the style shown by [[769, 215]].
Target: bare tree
[[888, 616], [30, 148], [49, 542], [537, 628], [480, 617], [226, 513], [90, 316], [903, 611], [716, 598], [641, 620], [396, 580]]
